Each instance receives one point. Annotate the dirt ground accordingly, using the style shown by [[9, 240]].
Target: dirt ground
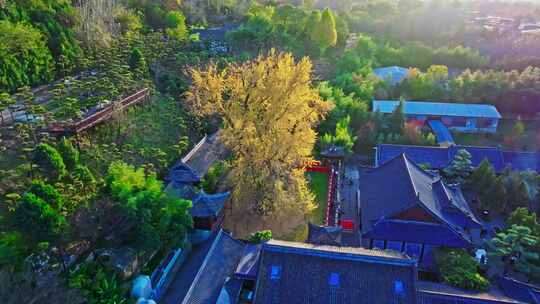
[[293, 228]]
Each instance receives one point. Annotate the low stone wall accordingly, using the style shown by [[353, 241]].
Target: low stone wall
[[165, 273]]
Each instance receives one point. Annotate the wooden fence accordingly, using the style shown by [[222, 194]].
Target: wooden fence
[[101, 115]]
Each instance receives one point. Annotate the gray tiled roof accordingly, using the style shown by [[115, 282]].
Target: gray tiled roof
[[181, 173], [249, 264], [206, 205], [412, 186], [305, 273], [435, 293], [324, 235], [219, 264], [230, 292], [408, 183]]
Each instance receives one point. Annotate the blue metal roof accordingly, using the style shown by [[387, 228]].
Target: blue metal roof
[[442, 134], [392, 74], [437, 108]]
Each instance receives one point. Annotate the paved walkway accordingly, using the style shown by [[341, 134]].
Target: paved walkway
[[349, 204]]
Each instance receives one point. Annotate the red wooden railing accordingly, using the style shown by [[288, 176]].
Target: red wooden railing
[[101, 115], [330, 198], [325, 170], [331, 188]]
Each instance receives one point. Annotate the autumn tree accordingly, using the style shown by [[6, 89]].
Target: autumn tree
[[269, 110]]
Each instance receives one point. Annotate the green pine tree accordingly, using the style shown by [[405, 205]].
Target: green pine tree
[[460, 168], [515, 246]]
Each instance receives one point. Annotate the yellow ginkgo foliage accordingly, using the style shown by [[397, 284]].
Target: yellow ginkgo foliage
[[269, 110]]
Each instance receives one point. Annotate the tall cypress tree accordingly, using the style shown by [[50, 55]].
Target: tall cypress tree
[[327, 31]]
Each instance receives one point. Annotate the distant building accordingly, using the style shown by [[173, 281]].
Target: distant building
[[441, 157], [215, 38], [392, 75], [298, 273], [208, 210], [456, 116], [408, 209], [530, 28]]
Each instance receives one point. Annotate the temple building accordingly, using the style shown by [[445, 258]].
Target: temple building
[[295, 273], [207, 209], [441, 157], [407, 209], [457, 116]]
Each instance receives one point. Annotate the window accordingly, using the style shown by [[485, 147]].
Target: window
[[459, 122], [486, 123], [399, 289], [275, 272], [334, 279], [378, 244]]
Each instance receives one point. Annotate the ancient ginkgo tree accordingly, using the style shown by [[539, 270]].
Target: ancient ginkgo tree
[[269, 110]]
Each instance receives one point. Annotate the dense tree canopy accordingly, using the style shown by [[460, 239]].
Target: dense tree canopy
[[269, 110], [157, 220], [24, 57]]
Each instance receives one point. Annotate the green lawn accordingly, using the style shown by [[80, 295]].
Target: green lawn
[[319, 187], [318, 184]]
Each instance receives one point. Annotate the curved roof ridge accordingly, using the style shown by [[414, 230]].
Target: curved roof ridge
[[411, 179]]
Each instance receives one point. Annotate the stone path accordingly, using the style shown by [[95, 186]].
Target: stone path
[[348, 189]]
